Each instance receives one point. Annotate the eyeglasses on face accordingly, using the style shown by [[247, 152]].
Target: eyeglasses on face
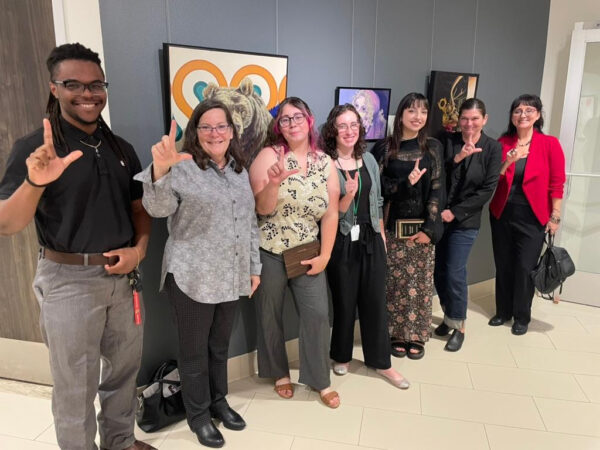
[[222, 128], [77, 87], [354, 126], [527, 111], [286, 121]]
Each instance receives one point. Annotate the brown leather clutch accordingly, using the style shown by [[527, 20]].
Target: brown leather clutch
[[405, 228], [293, 256]]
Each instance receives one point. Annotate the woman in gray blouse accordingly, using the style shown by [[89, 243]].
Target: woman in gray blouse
[[211, 257]]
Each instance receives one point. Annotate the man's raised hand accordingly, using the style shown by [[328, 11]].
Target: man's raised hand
[[43, 165]]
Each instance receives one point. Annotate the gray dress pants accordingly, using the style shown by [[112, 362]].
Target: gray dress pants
[[310, 297], [86, 317]]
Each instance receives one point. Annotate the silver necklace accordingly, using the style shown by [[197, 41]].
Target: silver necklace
[[95, 147], [525, 144]]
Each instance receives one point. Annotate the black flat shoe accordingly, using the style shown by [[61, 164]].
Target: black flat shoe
[[442, 329], [455, 342], [496, 321], [230, 418], [209, 436], [518, 329]]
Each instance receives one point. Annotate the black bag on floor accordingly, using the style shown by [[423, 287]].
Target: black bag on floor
[[161, 403], [553, 268]]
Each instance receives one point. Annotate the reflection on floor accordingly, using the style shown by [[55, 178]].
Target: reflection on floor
[[538, 391]]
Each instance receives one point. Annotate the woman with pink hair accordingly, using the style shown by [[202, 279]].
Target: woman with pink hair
[[295, 187]]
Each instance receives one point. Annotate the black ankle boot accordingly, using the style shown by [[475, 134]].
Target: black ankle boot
[[209, 436], [230, 418]]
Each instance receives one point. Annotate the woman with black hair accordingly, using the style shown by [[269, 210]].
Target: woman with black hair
[[525, 206], [357, 268], [472, 169], [211, 256], [412, 174]]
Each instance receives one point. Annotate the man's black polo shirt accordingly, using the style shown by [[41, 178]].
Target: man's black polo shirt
[[88, 208]]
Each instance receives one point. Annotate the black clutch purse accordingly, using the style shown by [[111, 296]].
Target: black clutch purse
[[293, 256]]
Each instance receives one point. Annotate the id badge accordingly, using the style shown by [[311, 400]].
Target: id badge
[[354, 232]]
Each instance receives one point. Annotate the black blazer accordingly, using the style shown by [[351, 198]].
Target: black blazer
[[471, 182]]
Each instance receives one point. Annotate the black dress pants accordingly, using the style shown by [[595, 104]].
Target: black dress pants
[[204, 331], [517, 239], [356, 273]]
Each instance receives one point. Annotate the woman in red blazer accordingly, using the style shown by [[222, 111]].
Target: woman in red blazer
[[525, 205]]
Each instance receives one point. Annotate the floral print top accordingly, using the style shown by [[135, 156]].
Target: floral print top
[[301, 202]]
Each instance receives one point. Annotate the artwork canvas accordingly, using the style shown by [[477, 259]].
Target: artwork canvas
[[447, 91], [252, 85], [372, 104]]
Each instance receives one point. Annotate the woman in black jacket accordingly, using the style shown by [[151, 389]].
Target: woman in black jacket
[[472, 169]]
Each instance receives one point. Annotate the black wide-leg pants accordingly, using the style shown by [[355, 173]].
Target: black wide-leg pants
[[356, 273], [517, 239], [204, 331]]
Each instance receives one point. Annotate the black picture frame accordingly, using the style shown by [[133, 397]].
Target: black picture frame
[[446, 92]]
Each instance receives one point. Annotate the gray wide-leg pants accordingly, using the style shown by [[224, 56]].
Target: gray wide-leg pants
[[87, 316], [310, 297]]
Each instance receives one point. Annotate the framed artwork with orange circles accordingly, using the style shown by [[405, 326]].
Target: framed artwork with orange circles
[[252, 85]]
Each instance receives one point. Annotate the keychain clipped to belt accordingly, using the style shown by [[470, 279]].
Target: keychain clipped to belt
[[135, 280]]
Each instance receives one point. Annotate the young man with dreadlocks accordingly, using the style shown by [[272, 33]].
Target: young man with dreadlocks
[[75, 177]]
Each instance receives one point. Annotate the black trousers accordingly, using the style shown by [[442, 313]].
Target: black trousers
[[356, 273], [204, 331], [517, 239]]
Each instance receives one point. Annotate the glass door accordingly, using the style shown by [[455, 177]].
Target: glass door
[[580, 137]]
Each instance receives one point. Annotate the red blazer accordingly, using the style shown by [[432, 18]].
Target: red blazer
[[544, 176]]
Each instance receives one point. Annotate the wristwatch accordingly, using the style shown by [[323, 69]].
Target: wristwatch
[[555, 219]]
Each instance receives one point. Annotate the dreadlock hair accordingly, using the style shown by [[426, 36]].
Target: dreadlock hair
[[81, 53]]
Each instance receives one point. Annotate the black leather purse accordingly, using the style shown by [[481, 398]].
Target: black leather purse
[[161, 403], [553, 268]]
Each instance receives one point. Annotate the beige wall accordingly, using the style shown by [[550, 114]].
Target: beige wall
[[563, 15]]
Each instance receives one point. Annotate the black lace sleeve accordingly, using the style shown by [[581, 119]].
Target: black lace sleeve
[[433, 225]]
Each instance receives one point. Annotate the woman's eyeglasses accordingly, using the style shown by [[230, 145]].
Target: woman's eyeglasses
[[354, 126], [207, 129], [286, 121]]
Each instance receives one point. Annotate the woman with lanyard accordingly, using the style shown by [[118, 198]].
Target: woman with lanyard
[[357, 268]]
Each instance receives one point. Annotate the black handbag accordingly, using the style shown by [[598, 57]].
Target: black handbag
[[161, 403], [553, 268]]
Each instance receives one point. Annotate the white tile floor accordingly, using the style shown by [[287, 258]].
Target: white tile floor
[[538, 391]]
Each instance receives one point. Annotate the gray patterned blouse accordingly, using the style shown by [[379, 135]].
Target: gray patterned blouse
[[212, 247]]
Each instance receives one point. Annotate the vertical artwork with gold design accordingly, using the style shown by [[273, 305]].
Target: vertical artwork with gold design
[[447, 91], [252, 85]]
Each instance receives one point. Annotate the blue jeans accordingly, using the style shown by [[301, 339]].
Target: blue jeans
[[450, 274]]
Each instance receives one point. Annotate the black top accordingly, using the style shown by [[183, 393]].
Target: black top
[[363, 216], [471, 182], [88, 208], [420, 201], [517, 195]]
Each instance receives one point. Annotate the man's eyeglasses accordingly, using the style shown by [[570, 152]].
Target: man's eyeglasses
[[527, 112], [286, 121], [354, 126], [77, 87], [207, 129]]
